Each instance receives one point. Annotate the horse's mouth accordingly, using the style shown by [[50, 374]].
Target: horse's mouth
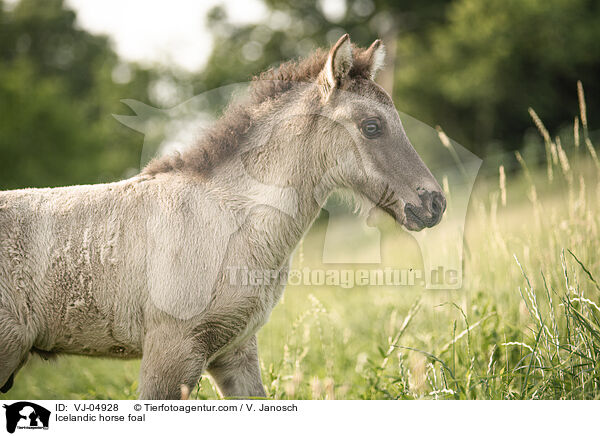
[[407, 217], [413, 222]]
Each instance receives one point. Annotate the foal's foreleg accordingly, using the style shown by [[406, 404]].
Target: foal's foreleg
[[170, 366], [173, 356], [237, 372]]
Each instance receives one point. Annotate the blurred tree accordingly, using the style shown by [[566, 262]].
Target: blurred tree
[[473, 67], [295, 28], [59, 86], [478, 73]]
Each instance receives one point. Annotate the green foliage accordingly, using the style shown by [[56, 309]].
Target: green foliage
[[57, 94], [476, 73]]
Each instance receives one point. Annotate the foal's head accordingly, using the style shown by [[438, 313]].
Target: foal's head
[[354, 117], [385, 167]]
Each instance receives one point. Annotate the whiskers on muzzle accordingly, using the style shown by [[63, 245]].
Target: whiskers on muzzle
[[389, 202]]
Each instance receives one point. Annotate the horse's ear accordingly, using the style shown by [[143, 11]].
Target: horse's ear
[[376, 57], [337, 66]]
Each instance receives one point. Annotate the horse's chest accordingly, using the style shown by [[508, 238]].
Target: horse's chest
[[252, 318]]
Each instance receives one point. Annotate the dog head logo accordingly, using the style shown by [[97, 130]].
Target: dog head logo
[[26, 415]]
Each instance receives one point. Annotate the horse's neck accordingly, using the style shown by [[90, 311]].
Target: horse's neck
[[286, 176]]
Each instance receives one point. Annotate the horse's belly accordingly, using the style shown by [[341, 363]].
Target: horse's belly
[[94, 334]]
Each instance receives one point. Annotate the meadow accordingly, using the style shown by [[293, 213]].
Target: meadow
[[525, 325]]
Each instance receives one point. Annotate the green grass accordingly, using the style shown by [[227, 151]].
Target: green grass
[[525, 325]]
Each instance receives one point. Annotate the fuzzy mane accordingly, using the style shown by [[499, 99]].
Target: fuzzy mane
[[222, 139]]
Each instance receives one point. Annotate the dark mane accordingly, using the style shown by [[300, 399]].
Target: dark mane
[[222, 139]]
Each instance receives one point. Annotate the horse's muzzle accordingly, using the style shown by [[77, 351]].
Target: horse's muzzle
[[428, 213]]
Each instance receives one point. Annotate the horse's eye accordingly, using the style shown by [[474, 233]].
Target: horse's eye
[[371, 127]]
